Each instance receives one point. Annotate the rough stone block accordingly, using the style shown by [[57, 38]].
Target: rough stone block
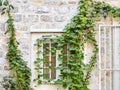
[[63, 10], [51, 2], [46, 18], [37, 26], [33, 18], [25, 1], [17, 17], [59, 18], [42, 9], [28, 9], [1, 54], [36, 1], [15, 10], [72, 1], [17, 1], [2, 27]]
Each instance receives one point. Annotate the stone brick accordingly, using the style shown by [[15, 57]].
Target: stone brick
[[63, 2], [6, 67], [22, 40], [25, 28], [31, 18], [1, 67], [18, 26], [54, 10], [63, 10], [3, 61], [37, 26], [55, 26], [2, 27], [25, 46], [73, 9], [17, 17], [1, 54], [46, 18], [15, 10], [42, 9], [17, 1], [28, 8], [25, 53], [51, 2], [25, 18], [72, 1], [36, 1], [0, 9], [59, 18], [25, 1]]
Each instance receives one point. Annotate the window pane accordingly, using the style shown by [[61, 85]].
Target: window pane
[[65, 55], [46, 73], [109, 57], [46, 62], [53, 63]]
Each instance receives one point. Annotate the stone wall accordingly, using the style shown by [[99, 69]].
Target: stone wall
[[37, 14], [34, 14]]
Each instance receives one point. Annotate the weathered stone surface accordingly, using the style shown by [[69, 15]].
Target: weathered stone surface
[[39, 14], [72, 1], [1, 54], [51, 2], [6, 67], [36, 1], [0, 9], [55, 26], [73, 9], [63, 10], [15, 10], [17, 17], [2, 26], [25, 1], [37, 26], [42, 9], [46, 18], [59, 18], [28, 9], [17, 1], [30, 18]]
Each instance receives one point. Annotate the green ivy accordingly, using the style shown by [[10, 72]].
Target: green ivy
[[77, 33], [19, 69], [40, 44]]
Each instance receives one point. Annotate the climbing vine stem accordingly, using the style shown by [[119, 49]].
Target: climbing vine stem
[[19, 69]]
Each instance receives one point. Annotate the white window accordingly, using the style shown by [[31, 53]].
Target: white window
[[109, 57], [51, 58]]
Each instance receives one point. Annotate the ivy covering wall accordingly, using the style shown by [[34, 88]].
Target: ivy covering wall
[[78, 32], [18, 67], [76, 74]]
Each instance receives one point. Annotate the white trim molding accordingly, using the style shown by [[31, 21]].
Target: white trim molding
[[46, 31]]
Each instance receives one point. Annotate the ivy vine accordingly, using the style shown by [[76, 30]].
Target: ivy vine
[[20, 71], [43, 46], [81, 30]]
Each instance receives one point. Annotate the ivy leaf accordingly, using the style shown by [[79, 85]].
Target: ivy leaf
[[6, 2], [7, 31], [0, 2], [39, 82], [11, 6], [3, 9], [2, 13]]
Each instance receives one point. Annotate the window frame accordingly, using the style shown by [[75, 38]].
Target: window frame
[[43, 32], [104, 51]]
